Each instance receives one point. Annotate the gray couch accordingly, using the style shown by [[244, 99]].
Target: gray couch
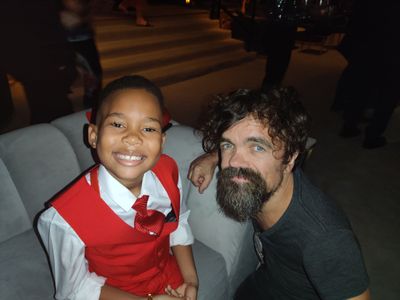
[[38, 161]]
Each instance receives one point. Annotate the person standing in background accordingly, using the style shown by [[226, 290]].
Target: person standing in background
[[75, 18], [371, 77], [35, 52], [140, 8]]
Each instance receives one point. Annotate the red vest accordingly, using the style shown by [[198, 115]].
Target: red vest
[[130, 260]]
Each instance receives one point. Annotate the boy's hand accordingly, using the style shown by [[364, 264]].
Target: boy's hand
[[185, 291], [201, 170], [165, 297], [191, 292]]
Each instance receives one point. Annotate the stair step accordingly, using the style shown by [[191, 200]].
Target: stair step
[[182, 44], [184, 70], [142, 44], [169, 20], [126, 29], [146, 60], [130, 32]]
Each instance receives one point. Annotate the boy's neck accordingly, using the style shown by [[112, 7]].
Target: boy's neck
[[134, 185]]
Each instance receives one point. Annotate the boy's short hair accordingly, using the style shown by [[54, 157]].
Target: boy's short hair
[[130, 82], [280, 110]]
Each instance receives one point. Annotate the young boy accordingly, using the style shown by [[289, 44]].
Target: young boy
[[109, 235]]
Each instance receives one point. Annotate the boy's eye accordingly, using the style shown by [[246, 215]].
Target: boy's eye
[[117, 124], [149, 129]]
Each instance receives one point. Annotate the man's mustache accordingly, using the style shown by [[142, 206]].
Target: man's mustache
[[245, 173]]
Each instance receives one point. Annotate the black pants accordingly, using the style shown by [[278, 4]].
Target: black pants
[[6, 103], [93, 76], [250, 289], [46, 85], [279, 40], [374, 84]]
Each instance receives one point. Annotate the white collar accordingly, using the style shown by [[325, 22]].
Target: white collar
[[120, 194]]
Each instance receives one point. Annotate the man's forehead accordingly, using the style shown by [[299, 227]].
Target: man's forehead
[[250, 130], [248, 125]]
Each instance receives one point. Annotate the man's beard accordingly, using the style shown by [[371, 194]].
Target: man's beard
[[242, 201]]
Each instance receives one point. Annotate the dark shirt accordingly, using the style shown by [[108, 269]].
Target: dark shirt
[[311, 252]]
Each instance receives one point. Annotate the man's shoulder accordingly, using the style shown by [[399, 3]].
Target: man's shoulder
[[320, 211]]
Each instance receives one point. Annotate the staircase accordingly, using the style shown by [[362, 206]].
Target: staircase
[[184, 43]]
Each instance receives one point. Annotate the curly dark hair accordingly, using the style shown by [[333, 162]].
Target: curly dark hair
[[279, 109]]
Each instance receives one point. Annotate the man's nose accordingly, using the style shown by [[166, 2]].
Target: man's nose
[[237, 160]]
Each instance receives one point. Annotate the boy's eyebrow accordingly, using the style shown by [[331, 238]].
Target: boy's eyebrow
[[118, 114], [153, 119]]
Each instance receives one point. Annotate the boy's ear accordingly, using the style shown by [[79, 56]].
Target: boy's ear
[[92, 135], [164, 137]]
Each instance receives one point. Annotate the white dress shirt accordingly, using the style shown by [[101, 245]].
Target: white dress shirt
[[67, 251]]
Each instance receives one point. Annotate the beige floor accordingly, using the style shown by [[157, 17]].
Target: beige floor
[[364, 182]]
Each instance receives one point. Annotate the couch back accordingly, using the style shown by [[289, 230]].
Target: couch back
[[38, 161], [35, 163]]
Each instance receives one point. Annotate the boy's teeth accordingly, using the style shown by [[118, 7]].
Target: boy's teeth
[[129, 157]]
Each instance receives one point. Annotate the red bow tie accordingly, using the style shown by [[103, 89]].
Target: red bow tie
[[147, 221]]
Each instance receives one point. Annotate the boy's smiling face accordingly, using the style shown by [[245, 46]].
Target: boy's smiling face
[[128, 135]]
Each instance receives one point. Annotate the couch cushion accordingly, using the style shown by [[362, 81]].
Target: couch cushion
[[24, 270], [74, 127], [40, 161], [212, 274], [13, 216], [22, 259], [183, 145], [234, 240]]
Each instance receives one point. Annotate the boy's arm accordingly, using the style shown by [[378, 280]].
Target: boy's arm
[[184, 258], [66, 253]]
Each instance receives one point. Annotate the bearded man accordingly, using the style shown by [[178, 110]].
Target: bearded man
[[305, 243]]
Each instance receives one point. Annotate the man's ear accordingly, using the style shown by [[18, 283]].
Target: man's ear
[[290, 165], [92, 135]]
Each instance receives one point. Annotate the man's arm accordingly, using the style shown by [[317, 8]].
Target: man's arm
[[364, 296], [202, 169], [334, 264]]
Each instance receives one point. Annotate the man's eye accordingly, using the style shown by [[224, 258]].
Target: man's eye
[[259, 148], [225, 146], [117, 124]]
